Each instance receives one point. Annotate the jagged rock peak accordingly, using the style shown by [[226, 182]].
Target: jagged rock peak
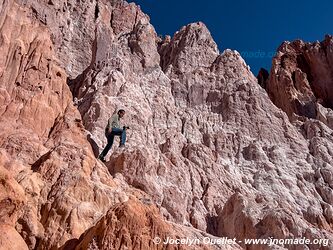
[[301, 79], [190, 47]]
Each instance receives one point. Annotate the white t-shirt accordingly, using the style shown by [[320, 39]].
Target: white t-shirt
[[114, 122]]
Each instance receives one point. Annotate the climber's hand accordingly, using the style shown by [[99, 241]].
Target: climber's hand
[[126, 127]]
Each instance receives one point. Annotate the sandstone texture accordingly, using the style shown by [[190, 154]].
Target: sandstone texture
[[133, 224], [53, 188], [209, 152]]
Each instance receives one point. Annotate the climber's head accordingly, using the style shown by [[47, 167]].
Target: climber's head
[[121, 113]]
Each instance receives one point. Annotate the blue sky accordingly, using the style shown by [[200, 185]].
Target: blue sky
[[248, 26]]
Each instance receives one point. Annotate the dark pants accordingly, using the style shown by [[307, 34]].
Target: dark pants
[[115, 131]]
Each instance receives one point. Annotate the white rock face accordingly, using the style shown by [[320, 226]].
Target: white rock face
[[206, 142]]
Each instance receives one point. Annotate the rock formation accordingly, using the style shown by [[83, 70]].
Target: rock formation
[[208, 153], [301, 79], [52, 187], [263, 77]]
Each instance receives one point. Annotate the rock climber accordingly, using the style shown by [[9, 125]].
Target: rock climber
[[114, 128]]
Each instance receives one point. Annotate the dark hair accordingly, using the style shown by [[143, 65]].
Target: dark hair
[[121, 110]]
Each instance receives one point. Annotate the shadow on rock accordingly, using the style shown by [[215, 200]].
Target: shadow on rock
[[94, 145]]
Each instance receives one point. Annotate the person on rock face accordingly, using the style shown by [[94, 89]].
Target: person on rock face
[[113, 128]]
